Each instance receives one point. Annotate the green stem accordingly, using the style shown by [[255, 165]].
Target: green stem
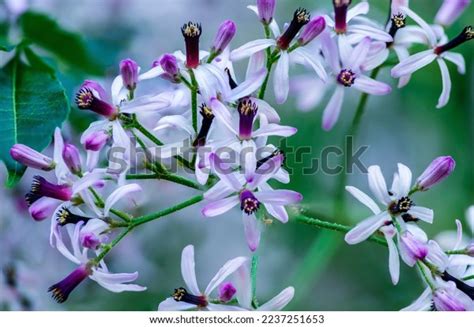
[[153, 216], [136, 124], [194, 99], [121, 215], [468, 277], [463, 251], [425, 277], [106, 249], [169, 177], [333, 226]]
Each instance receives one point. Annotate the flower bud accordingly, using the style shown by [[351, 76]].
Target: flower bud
[[192, 33], [43, 208], [226, 292], [411, 248], [72, 158], [169, 63], [31, 158], [450, 11], [224, 35], [60, 291], [312, 30], [95, 141], [301, 17], [129, 72], [340, 15], [438, 169], [266, 10], [450, 299]]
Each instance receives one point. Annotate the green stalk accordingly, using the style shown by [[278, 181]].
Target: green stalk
[[194, 90], [169, 177], [253, 276]]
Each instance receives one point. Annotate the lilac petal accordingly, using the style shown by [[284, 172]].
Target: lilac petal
[[402, 53], [223, 172], [115, 278], [313, 61], [405, 177], [218, 191], [275, 130], [333, 109], [361, 8], [393, 260], [266, 110], [150, 103], [118, 288], [413, 63], [278, 197], [457, 59], [251, 84], [61, 171], [87, 181], [424, 25], [280, 301], [219, 207], [250, 161], [223, 115], [188, 271], [445, 94], [423, 303], [459, 235], [251, 230], [330, 51], [207, 83], [243, 285], [366, 228], [118, 91], [256, 63], [250, 48], [175, 122], [345, 49], [227, 269], [152, 73], [359, 54], [265, 172], [377, 184], [279, 212], [422, 213], [306, 101], [171, 304], [118, 194], [364, 199], [373, 32], [281, 83], [368, 85], [375, 60], [437, 256], [411, 34]]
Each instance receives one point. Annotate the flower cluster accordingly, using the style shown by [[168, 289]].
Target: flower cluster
[[217, 125]]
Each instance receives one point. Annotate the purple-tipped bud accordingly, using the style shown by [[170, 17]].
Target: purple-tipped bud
[[129, 72], [225, 34], [72, 158], [91, 96], [266, 10], [446, 299], [312, 30], [340, 15], [31, 158], [169, 63], [450, 11], [226, 292], [60, 291], [95, 141], [191, 33], [439, 169], [411, 248], [90, 240], [43, 208], [42, 188]]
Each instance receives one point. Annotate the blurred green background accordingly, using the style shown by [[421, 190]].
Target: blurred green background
[[327, 274]]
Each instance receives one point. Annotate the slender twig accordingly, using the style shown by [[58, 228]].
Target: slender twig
[[169, 177], [194, 99], [253, 275]]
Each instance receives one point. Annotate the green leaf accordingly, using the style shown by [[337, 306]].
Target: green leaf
[[4, 43], [69, 47], [36, 61], [32, 104]]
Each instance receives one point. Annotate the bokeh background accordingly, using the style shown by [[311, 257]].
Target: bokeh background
[[327, 274]]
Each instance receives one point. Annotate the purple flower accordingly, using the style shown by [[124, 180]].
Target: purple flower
[[450, 11], [43, 208], [191, 297], [95, 141], [31, 158], [72, 158], [226, 292], [42, 188], [315, 27], [225, 34], [169, 63], [340, 15], [93, 234], [301, 17], [249, 191], [191, 33], [90, 97], [411, 248], [439, 169], [63, 289], [266, 10], [129, 71]]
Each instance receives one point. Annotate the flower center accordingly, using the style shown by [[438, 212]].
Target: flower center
[[181, 295], [401, 206], [346, 77], [84, 98], [191, 29], [248, 202]]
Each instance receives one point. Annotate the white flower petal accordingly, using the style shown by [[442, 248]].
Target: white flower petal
[[280, 301], [250, 48], [393, 260], [373, 32], [368, 85], [281, 83], [256, 63], [222, 114], [364, 199], [266, 110], [457, 59], [188, 271], [152, 73], [274, 130], [413, 63], [171, 304], [424, 25], [251, 84], [423, 303], [445, 94], [278, 197], [361, 8], [377, 184], [422, 213], [251, 230], [311, 60], [333, 109], [359, 54], [405, 177], [118, 194], [219, 207], [366, 228], [227, 269]]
